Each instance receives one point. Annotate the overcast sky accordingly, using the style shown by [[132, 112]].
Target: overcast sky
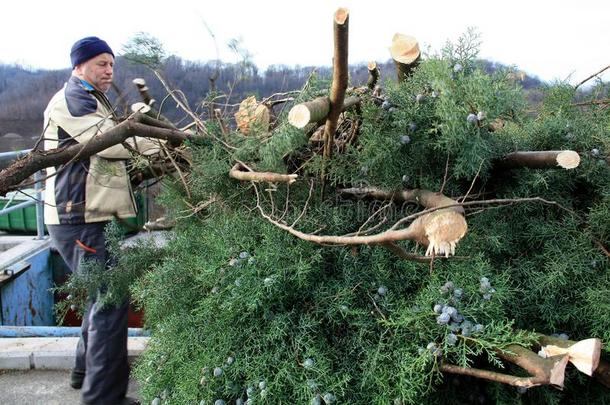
[[552, 40]]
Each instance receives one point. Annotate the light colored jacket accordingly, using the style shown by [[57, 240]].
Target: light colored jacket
[[93, 189]]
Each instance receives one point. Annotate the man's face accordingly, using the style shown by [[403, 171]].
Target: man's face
[[97, 71]]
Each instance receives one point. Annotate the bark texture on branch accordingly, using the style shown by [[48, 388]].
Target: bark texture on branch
[[411, 233], [243, 173], [316, 110], [138, 125], [549, 371], [340, 77], [567, 159], [406, 55]]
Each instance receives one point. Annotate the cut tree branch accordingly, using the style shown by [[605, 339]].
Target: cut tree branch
[[242, 172], [406, 55], [340, 77], [543, 371], [567, 159], [316, 110], [600, 367], [442, 229], [252, 115], [439, 230], [547, 368], [143, 90], [137, 125], [373, 75]]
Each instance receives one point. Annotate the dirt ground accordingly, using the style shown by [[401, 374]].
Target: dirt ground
[[38, 387]]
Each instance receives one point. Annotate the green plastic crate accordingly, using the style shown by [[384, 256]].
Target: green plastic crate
[[23, 221], [19, 221]]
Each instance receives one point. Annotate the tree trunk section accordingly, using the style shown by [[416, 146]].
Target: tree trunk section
[[316, 110], [567, 159], [340, 76], [406, 55], [373, 75], [252, 116]]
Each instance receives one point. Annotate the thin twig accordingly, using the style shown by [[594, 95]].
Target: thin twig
[[377, 308], [272, 201], [198, 208], [200, 123], [445, 176], [591, 77], [473, 181], [169, 155], [306, 203], [288, 93], [383, 207], [287, 199], [371, 229]]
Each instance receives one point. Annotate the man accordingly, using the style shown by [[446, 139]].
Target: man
[[81, 197]]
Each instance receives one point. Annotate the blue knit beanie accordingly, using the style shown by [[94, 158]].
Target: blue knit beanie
[[88, 48]]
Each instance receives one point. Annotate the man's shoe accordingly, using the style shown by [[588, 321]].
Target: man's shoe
[[76, 379]]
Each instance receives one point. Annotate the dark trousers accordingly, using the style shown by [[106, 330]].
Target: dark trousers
[[102, 348]]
